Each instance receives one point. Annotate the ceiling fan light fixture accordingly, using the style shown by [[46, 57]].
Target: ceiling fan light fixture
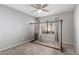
[[39, 11]]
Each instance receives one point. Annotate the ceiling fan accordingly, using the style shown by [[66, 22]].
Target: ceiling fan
[[39, 7]]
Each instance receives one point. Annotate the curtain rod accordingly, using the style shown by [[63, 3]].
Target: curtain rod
[[48, 22]]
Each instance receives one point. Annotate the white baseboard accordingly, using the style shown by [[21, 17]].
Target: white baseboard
[[25, 42], [67, 43], [14, 45]]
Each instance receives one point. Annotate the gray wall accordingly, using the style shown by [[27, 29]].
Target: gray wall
[[76, 28], [14, 27], [67, 25]]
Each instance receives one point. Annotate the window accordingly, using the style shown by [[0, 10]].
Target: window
[[47, 28]]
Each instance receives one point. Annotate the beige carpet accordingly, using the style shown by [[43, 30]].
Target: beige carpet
[[35, 49]]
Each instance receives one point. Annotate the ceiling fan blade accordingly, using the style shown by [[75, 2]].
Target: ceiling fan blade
[[44, 5], [38, 6], [45, 10], [34, 6], [33, 11]]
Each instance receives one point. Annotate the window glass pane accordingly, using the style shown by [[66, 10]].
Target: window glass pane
[[49, 30]]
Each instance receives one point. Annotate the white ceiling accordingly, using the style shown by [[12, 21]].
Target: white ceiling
[[54, 9]]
